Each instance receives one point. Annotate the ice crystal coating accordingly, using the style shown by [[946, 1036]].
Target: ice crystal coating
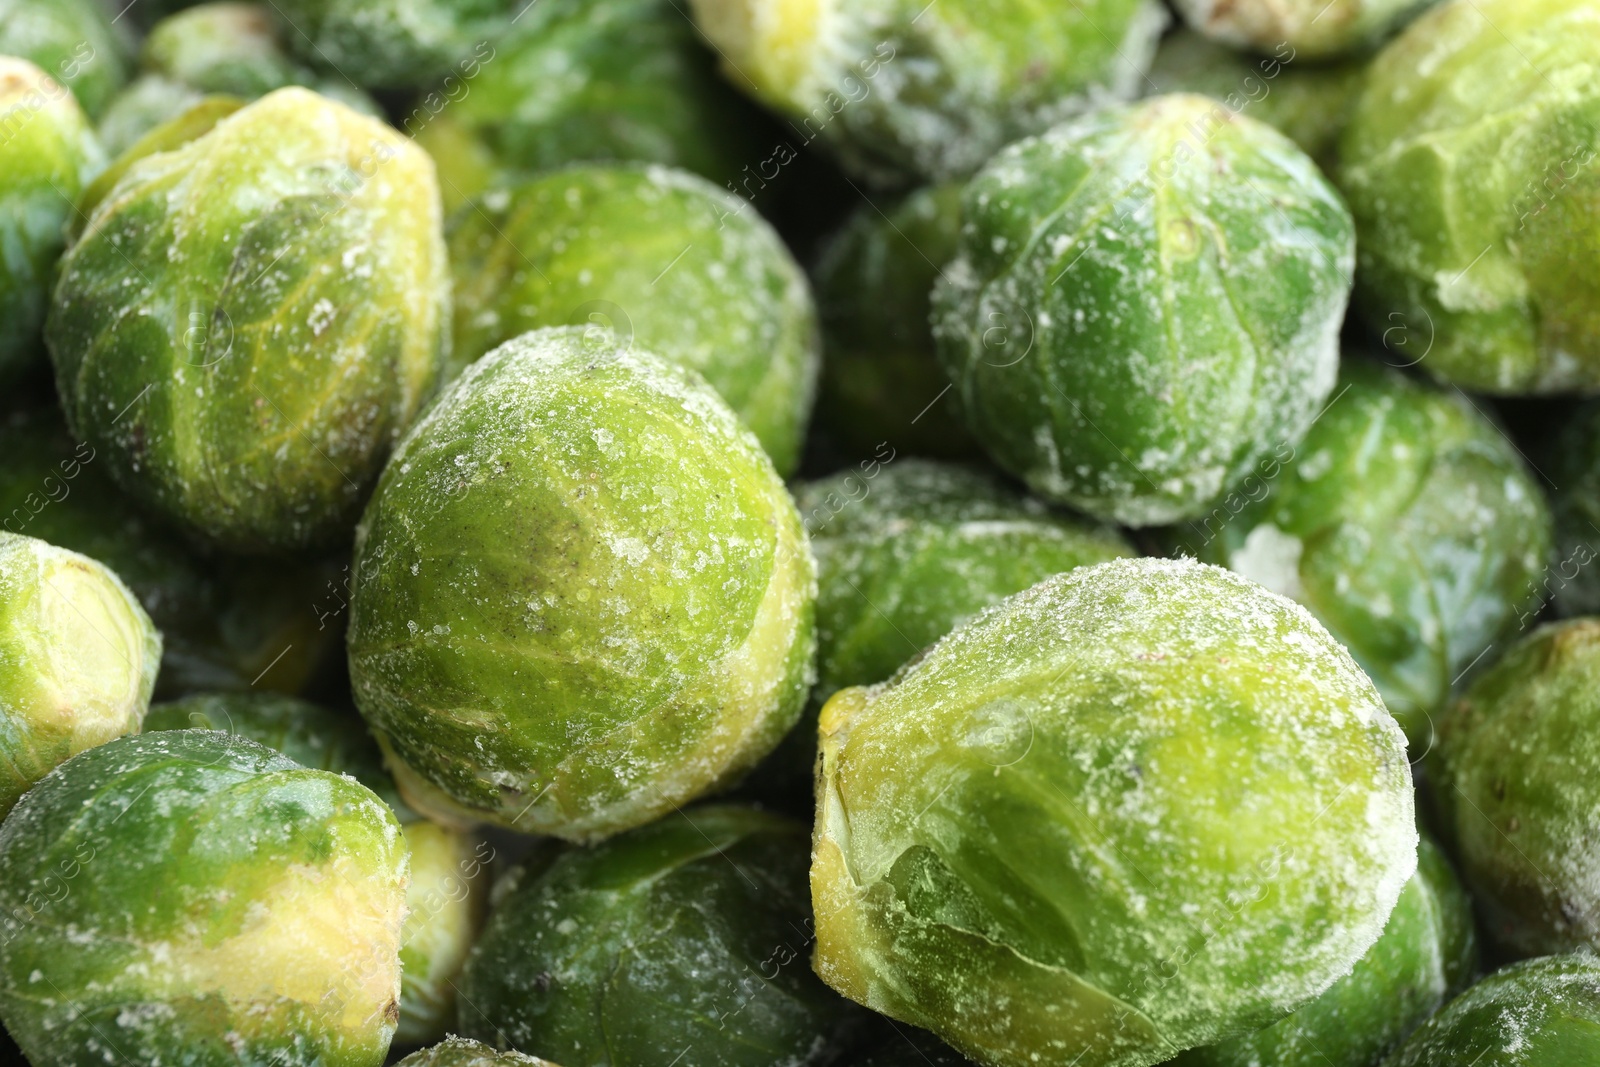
[[1469, 166], [905, 89], [583, 596], [1539, 1013], [1147, 303], [1140, 807], [48, 154], [190, 897], [74, 41], [880, 381], [1315, 28], [1517, 785], [391, 44], [686, 937], [663, 259], [249, 320], [1428, 953], [1406, 522], [78, 660], [461, 1052]]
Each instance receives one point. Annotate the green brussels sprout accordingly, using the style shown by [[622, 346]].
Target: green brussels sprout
[[250, 320], [226, 47], [147, 102], [391, 44], [75, 41], [1316, 29], [1310, 104], [582, 595], [880, 380], [1574, 467], [460, 1052], [445, 898], [904, 89], [192, 898], [1539, 1013], [664, 259], [599, 80], [78, 659], [686, 937], [1427, 953], [48, 153], [1140, 807], [907, 556], [1467, 166], [1408, 525], [1515, 782], [225, 624], [1147, 304]]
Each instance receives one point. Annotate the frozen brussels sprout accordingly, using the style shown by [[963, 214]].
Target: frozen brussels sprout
[[1427, 953], [907, 556], [663, 259], [392, 44], [686, 937], [445, 898], [1539, 1013], [1140, 807], [75, 41], [1468, 166], [1516, 780], [190, 897], [250, 320], [1310, 103], [78, 660], [460, 1052], [583, 596], [147, 102], [904, 89], [1316, 29], [48, 153], [576, 80], [1406, 522], [1146, 305], [1574, 467], [880, 380]]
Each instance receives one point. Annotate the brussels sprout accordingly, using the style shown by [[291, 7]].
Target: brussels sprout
[[226, 624], [1574, 466], [1540, 1013], [1408, 525], [1516, 786], [664, 259], [1146, 305], [1309, 103], [242, 332], [1314, 28], [391, 44], [444, 902], [1140, 807], [224, 47], [1427, 953], [74, 41], [147, 102], [576, 80], [880, 381], [1467, 165], [78, 660], [902, 88], [460, 1052], [48, 154], [190, 897], [687, 937], [582, 595]]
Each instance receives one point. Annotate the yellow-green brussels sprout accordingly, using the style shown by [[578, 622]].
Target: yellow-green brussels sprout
[[1315, 28], [583, 596], [461, 1052], [76, 42], [186, 897], [78, 659], [905, 89], [48, 154], [249, 320], [1469, 166], [1140, 807], [663, 258]]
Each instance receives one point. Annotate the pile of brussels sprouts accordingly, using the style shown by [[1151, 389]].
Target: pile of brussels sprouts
[[800, 533]]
